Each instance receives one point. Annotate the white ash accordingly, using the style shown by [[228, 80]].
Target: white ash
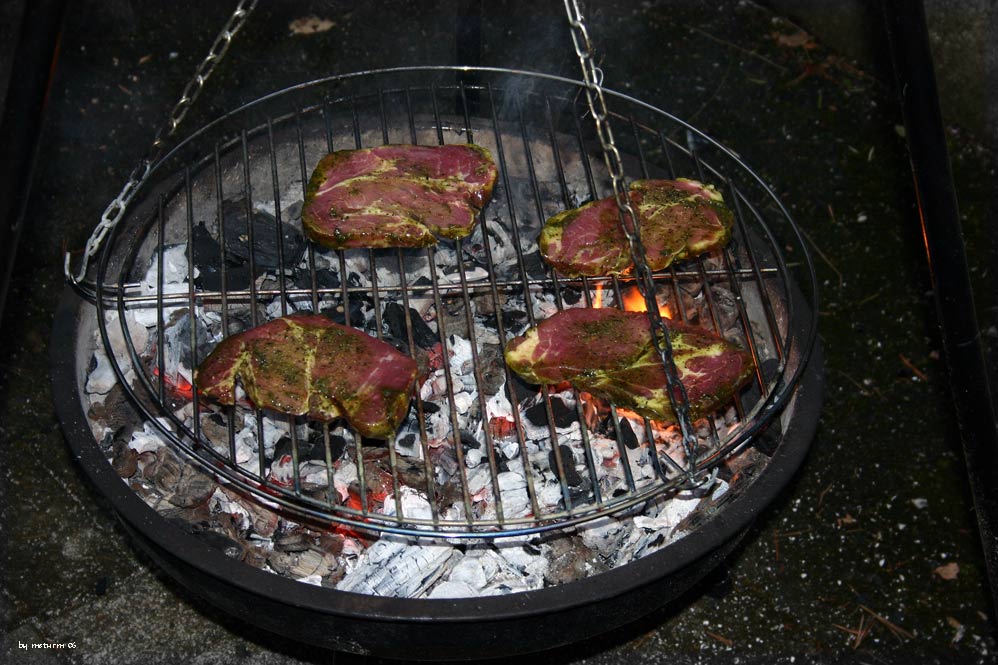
[[174, 277], [397, 568]]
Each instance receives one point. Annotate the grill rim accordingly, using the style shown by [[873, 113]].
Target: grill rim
[[767, 409], [724, 525]]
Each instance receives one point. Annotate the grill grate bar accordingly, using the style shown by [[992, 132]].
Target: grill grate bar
[[556, 447], [563, 184], [230, 428], [245, 295], [521, 268]]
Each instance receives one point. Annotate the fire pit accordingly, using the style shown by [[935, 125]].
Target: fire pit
[[497, 505]]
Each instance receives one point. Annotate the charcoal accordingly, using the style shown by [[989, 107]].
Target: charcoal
[[125, 461], [570, 296], [572, 477], [296, 541], [324, 278], [356, 312], [193, 488], [492, 365], [521, 390], [394, 319], [178, 334], [469, 440], [208, 260], [315, 447], [265, 238], [564, 415], [627, 434]]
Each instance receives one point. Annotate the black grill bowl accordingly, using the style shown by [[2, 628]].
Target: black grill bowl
[[459, 629]]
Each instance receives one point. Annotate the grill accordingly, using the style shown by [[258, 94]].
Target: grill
[[258, 158]]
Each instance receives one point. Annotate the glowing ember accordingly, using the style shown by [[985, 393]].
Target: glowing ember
[[635, 302]]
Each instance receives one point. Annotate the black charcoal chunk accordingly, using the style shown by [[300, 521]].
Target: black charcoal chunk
[[324, 278], [422, 334], [627, 434], [208, 261], [572, 477], [570, 296], [468, 440], [564, 415], [356, 312], [520, 389], [265, 238]]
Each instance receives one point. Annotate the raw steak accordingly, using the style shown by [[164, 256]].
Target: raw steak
[[610, 353], [305, 364], [677, 218], [397, 195]]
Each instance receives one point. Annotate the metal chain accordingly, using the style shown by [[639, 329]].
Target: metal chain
[[593, 78], [116, 208]]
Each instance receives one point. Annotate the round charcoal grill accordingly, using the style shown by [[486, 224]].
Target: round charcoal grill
[[258, 159], [213, 229]]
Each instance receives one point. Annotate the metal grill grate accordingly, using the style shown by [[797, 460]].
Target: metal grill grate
[[260, 157]]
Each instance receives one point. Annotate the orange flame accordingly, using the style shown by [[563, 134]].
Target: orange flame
[[598, 295], [635, 302]]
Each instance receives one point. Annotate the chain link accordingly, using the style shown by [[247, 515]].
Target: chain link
[[116, 208], [593, 78]]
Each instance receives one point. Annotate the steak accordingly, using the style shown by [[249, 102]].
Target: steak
[[677, 218], [610, 353], [306, 364], [397, 195]]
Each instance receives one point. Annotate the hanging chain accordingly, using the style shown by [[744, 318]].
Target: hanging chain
[[593, 78], [116, 209]]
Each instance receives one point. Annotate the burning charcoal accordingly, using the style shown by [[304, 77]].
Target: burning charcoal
[[265, 248], [422, 334], [572, 477], [627, 434]]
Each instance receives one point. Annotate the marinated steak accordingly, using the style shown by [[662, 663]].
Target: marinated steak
[[397, 195], [677, 219], [305, 364], [610, 354]]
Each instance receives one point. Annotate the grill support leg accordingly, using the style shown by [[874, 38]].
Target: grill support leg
[[940, 226]]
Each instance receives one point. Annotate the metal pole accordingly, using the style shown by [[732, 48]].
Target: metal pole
[[31, 68], [940, 222]]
